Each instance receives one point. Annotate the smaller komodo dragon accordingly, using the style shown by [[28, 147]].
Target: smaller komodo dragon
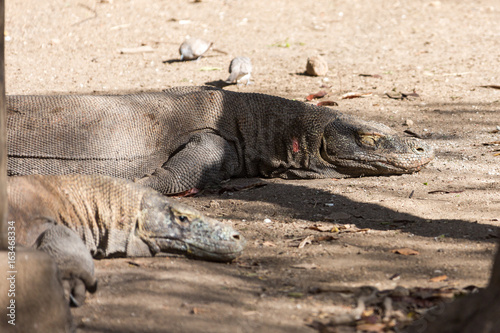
[[191, 137], [76, 217]]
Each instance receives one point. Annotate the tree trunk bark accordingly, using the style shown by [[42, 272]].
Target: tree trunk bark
[[3, 139]]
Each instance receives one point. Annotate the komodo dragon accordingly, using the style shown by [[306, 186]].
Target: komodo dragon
[[190, 137], [114, 218]]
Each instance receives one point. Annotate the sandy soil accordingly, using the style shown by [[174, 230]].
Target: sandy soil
[[444, 51]]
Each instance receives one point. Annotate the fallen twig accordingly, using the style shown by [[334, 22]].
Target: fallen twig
[[88, 18]]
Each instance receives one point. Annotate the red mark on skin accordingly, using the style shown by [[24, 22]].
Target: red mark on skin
[[295, 143], [188, 193]]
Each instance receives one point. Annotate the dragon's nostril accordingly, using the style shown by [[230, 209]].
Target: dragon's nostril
[[420, 150], [236, 236]]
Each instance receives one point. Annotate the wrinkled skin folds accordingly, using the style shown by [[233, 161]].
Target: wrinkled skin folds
[[179, 228]]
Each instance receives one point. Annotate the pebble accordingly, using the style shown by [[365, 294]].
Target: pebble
[[316, 66], [408, 122]]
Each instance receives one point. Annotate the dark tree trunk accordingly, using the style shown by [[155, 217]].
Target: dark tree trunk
[[3, 139], [31, 293]]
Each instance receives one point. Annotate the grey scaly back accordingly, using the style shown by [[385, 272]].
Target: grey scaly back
[[189, 137]]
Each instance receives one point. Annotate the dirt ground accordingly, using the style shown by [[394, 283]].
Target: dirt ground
[[449, 213]]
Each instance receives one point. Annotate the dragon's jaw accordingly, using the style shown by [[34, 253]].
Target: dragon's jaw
[[367, 148]]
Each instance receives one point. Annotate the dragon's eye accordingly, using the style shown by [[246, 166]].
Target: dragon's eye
[[182, 217], [369, 140]]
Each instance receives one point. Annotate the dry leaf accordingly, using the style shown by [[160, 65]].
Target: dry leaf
[[327, 103], [250, 313], [443, 191], [295, 294], [196, 311], [324, 238], [350, 95], [394, 95], [310, 239], [269, 244], [371, 75], [305, 266], [337, 228], [140, 49], [341, 228], [493, 143], [319, 94], [367, 313], [305, 241], [401, 95], [439, 278], [320, 228], [493, 86], [133, 263], [395, 276], [413, 94], [209, 69], [371, 327], [405, 251]]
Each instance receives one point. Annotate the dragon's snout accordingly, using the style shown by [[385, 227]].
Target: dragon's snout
[[422, 149]]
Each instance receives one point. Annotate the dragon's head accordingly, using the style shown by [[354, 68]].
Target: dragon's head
[[354, 147], [167, 226]]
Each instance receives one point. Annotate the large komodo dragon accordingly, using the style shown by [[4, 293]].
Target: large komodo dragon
[[114, 218], [189, 137]]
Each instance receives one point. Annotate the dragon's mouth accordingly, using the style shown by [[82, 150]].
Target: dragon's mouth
[[376, 163], [224, 250], [217, 255]]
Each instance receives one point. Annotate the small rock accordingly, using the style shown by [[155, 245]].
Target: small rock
[[408, 122], [267, 221], [316, 66]]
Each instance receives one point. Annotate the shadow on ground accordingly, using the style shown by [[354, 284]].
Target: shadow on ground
[[308, 203]]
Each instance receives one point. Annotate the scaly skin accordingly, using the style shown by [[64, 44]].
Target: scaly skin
[[361, 148], [76, 217], [168, 227], [115, 217], [191, 137]]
